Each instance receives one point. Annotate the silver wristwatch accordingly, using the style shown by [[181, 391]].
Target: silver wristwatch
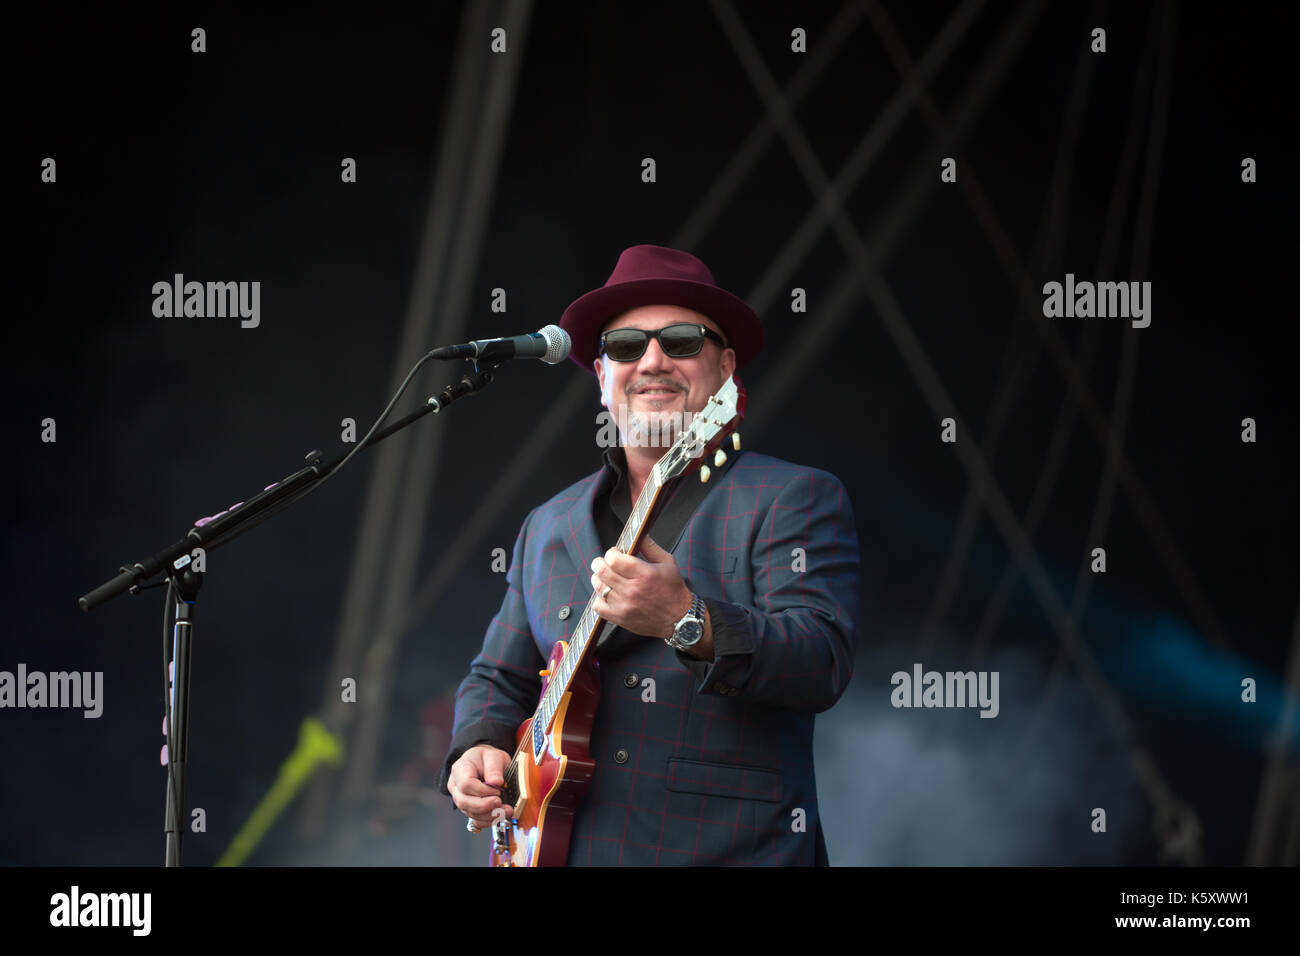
[[688, 631]]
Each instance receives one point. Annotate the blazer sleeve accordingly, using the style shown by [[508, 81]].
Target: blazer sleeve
[[503, 685], [794, 647]]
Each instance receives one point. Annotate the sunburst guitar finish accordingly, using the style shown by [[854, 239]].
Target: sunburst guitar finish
[[549, 792]]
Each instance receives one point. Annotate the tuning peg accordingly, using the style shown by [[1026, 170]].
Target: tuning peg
[[735, 440], [704, 473], [719, 458]]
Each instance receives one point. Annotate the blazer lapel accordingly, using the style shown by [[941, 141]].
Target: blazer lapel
[[581, 541]]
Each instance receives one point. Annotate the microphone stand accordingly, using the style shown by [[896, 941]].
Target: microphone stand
[[175, 565]]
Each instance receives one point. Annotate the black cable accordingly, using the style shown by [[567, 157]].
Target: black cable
[[298, 496]]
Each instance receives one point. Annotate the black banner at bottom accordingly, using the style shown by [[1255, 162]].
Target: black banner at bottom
[[385, 905]]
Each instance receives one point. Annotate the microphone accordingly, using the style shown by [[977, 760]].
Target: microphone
[[550, 344]]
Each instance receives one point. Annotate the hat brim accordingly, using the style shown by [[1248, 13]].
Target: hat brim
[[585, 317]]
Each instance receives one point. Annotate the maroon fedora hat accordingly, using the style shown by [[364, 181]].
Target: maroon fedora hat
[[655, 275]]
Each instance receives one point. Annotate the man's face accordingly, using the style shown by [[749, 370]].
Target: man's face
[[661, 392]]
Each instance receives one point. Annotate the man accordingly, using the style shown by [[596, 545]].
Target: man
[[703, 749]]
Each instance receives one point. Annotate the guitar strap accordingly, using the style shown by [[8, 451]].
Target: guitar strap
[[666, 527]]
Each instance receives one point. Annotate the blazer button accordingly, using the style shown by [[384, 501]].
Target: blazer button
[[564, 613], [620, 756], [725, 690], [629, 680]]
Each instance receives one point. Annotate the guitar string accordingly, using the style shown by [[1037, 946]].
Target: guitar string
[[648, 493]]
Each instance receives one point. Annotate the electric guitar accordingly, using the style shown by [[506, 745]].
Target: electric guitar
[[552, 766]]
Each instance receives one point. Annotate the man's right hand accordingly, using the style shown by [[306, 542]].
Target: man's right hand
[[475, 783]]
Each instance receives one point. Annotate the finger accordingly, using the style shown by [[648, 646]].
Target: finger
[[486, 813], [486, 821], [618, 562], [477, 788], [619, 568], [597, 563], [478, 806], [651, 551], [467, 776], [494, 766], [479, 809]]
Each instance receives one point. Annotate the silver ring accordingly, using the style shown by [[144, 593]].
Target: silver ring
[[472, 827], [605, 593]]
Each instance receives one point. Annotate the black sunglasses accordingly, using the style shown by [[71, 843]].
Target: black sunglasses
[[677, 341]]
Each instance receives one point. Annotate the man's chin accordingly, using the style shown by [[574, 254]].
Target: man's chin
[[654, 430]]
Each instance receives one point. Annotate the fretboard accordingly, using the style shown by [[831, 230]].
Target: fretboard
[[584, 632]]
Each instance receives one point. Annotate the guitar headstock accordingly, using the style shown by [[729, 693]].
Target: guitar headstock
[[710, 427]]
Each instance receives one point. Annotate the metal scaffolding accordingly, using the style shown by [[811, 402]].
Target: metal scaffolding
[[383, 601], [380, 586]]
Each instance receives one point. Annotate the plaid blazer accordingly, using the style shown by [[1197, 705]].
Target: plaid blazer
[[698, 762]]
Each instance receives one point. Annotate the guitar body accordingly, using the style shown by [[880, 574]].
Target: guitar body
[[549, 792]]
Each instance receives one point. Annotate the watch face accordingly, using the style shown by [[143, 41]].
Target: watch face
[[689, 633]]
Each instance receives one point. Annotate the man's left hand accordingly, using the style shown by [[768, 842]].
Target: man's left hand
[[647, 594]]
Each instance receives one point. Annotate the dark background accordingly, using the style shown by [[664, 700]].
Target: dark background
[[225, 166]]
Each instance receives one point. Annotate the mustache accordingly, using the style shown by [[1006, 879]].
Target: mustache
[[631, 389]]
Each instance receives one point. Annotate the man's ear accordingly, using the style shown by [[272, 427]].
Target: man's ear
[[599, 366], [727, 365]]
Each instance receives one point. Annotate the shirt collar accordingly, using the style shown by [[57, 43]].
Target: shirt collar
[[615, 462]]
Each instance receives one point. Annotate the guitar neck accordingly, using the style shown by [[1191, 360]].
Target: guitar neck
[[590, 623], [707, 429]]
